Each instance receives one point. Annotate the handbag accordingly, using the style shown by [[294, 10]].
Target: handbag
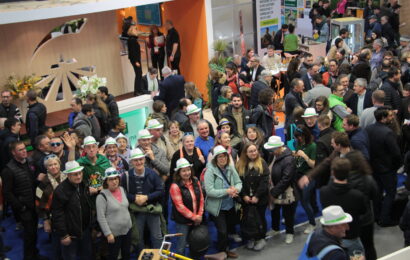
[[291, 143], [251, 222], [286, 197]]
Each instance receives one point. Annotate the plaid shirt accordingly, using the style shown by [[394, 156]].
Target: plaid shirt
[[176, 197]]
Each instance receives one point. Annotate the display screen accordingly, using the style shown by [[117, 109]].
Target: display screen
[[149, 14]]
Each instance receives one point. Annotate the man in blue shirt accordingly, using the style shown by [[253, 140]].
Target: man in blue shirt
[[204, 141]]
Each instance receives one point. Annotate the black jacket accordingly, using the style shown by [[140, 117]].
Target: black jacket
[[307, 82], [197, 165], [320, 239], [112, 106], [405, 224], [71, 209], [354, 99], [246, 117], [283, 174], [263, 120], [292, 100], [351, 200], [323, 150], [249, 72], [8, 138], [388, 33], [362, 70], [134, 51], [392, 97], [171, 90], [144, 84], [360, 141], [19, 185], [385, 157], [10, 111], [255, 184], [277, 40], [35, 119], [187, 200], [256, 88]]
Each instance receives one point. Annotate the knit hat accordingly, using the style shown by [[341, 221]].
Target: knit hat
[[273, 142], [192, 109], [182, 163], [72, 166]]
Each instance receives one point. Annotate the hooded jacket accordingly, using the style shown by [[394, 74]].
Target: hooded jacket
[[92, 173]]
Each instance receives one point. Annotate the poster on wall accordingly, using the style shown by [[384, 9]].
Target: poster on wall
[[291, 3], [268, 21], [291, 15]]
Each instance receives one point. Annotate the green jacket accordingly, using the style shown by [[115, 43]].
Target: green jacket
[[215, 192], [89, 172], [336, 101]]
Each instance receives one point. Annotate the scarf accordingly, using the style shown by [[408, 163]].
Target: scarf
[[152, 84], [54, 182]]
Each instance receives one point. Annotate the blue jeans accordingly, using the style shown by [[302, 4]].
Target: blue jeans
[[352, 245], [305, 201], [122, 243], [80, 247], [182, 240], [387, 183], [154, 225]]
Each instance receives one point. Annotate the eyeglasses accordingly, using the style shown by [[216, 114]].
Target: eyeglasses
[[6, 96], [56, 144]]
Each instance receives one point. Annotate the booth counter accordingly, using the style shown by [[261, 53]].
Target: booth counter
[[315, 48]]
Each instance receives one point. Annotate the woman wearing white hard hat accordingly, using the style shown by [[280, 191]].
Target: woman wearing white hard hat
[[222, 185], [111, 152], [187, 202], [113, 216], [123, 146], [283, 188]]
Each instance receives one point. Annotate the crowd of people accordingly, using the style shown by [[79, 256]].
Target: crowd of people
[[347, 123]]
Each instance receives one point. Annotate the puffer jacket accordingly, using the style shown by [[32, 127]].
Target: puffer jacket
[[283, 174]]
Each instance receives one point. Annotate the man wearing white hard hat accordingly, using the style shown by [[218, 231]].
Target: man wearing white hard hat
[[144, 189], [94, 165], [310, 117], [112, 154], [156, 129], [191, 125], [71, 212], [325, 243], [155, 157]]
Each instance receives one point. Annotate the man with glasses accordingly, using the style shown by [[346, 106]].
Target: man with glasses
[[307, 78], [255, 68], [57, 148], [338, 108], [8, 109], [330, 76], [19, 189]]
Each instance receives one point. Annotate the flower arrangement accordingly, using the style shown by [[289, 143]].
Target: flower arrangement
[[19, 86], [89, 85]]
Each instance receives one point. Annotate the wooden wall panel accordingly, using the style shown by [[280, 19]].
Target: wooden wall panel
[[404, 17], [97, 44]]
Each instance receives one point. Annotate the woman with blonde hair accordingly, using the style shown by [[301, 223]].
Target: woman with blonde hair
[[254, 173], [174, 136], [192, 93], [223, 139]]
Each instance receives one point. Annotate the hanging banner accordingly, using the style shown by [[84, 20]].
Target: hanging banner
[[268, 14]]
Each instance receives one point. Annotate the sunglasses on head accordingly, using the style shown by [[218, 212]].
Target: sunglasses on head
[[56, 144]]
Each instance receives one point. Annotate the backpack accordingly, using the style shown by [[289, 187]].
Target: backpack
[[320, 255]]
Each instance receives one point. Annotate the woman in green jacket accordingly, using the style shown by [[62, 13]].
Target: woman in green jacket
[[222, 185]]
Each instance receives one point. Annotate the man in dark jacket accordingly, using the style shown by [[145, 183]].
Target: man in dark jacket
[[263, 82], [11, 134], [385, 159], [387, 31], [338, 192], [279, 37], [391, 89], [358, 136], [171, 90], [255, 69], [19, 184], [71, 214], [134, 55], [293, 99], [307, 78], [36, 115], [8, 109], [263, 115], [109, 101], [237, 115], [173, 47], [323, 145], [180, 115], [335, 223], [145, 189], [190, 126], [42, 149], [361, 99]]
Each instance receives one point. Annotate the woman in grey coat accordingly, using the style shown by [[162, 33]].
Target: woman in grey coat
[[113, 216]]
